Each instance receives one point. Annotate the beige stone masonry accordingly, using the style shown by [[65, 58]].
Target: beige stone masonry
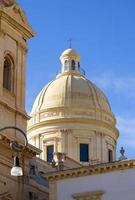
[[90, 170]]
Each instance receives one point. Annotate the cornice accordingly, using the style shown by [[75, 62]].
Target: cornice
[[17, 110], [64, 108], [22, 28], [72, 73], [30, 148], [34, 149], [90, 170], [77, 120], [60, 113]]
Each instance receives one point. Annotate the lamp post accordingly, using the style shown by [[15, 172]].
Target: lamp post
[[16, 169]]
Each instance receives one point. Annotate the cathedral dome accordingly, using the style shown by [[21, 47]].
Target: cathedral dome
[[70, 113], [71, 90], [71, 95]]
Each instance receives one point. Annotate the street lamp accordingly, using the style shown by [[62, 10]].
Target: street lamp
[[16, 169]]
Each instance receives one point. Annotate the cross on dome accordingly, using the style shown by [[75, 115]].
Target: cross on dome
[[70, 43]]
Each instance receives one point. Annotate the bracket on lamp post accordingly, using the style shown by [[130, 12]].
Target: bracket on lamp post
[[16, 169]]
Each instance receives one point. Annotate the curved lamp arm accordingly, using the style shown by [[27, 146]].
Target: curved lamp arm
[[14, 144], [16, 169]]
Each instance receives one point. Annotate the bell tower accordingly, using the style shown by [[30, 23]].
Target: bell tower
[[14, 32]]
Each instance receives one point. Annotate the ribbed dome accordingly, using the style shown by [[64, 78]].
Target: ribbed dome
[[71, 91], [71, 96]]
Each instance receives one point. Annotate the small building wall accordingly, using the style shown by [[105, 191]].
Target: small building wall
[[116, 185]]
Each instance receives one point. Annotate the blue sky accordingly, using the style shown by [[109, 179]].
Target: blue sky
[[103, 32]]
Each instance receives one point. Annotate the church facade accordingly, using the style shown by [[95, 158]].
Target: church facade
[[14, 33]]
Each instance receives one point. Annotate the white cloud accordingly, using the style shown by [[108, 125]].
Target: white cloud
[[126, 127], [116, 84], [123, 86]]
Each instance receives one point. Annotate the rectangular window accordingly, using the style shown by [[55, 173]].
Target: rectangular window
[[30, 195], [33, 196], [50, 150], [110, 155], [84, 152]]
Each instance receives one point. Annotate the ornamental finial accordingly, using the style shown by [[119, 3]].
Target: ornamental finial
[[70, 43], [122, 152]]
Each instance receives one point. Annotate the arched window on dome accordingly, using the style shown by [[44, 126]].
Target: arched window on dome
[[73, 65], [8, 74], [65, 64]]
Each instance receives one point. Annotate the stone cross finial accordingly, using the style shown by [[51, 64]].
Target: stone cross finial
[[70, 43], [122, 157]]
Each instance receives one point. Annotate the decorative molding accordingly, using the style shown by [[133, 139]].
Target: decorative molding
[[66, 131], [76, 113], [92, 110], [17, 110], [10, 54], [50, 139], [88, 195], [5, 140], [110, 140], [3, 33], [19, 11], [23, 28], [22, 46], [91, 170], [67, 113], [49, 114], [76, 120]]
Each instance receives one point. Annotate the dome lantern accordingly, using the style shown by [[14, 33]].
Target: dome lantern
[[70, 61]]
